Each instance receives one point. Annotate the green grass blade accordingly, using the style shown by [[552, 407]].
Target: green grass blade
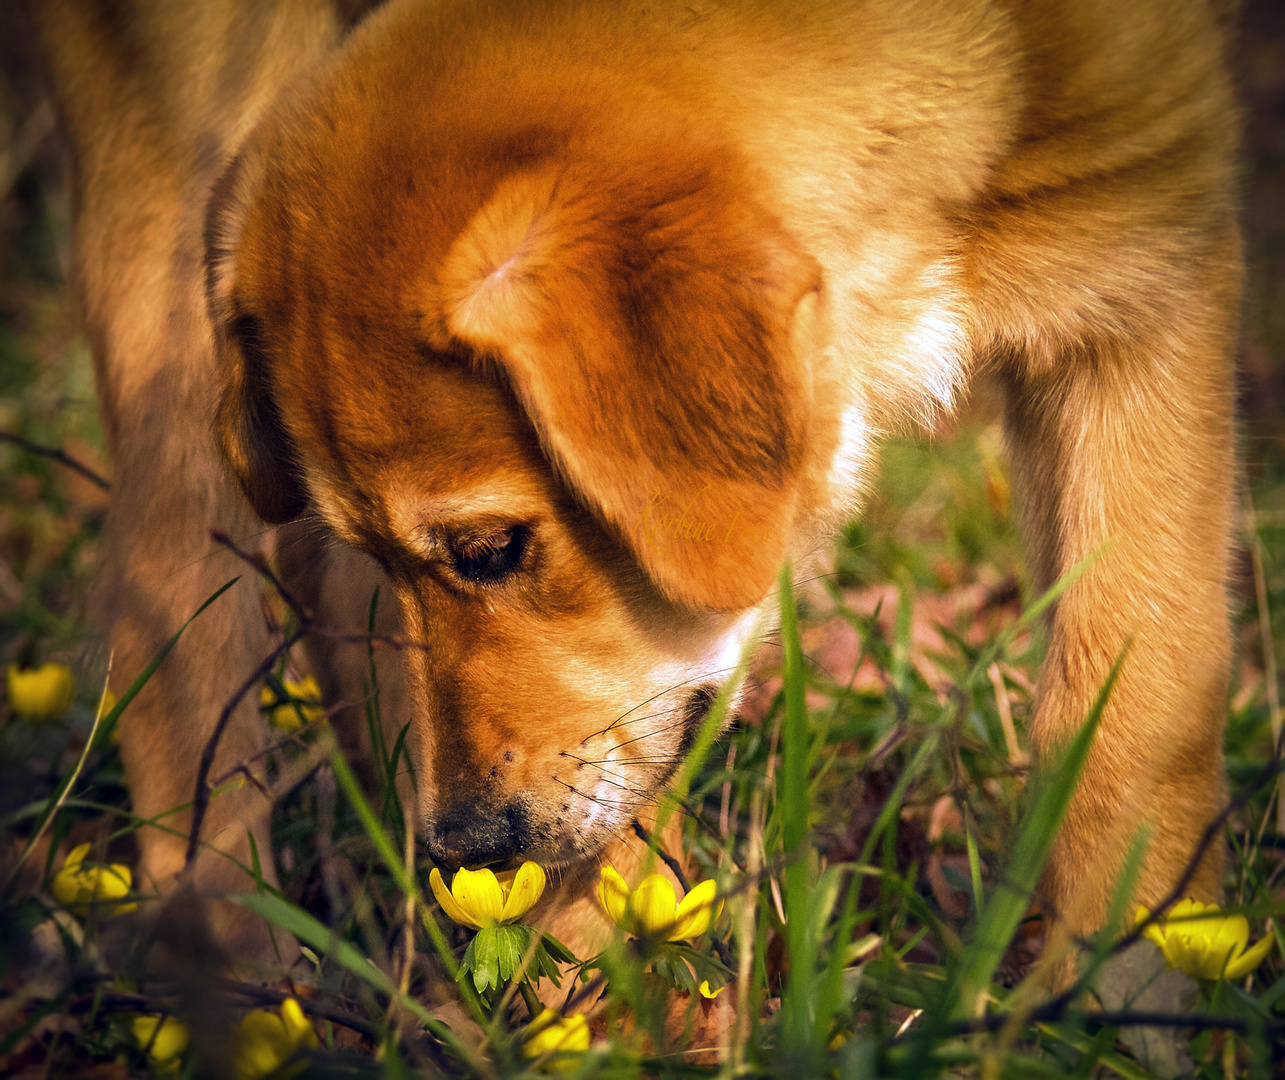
[[899, 670], [384, 848], [829, 993], [794, 733], [1008, 902], [1118, 915], [974, 866], [793, 808], [1106, 1057]]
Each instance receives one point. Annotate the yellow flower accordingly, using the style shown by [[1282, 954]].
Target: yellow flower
[[1205, 944], [552, 1033], [267, 1040], [303, 707], [163, 1038], [652, 909], [41, 693], [479, 898], [706, 992], [82, 889]]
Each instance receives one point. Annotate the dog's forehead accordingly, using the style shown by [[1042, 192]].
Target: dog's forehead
[[393, 440]]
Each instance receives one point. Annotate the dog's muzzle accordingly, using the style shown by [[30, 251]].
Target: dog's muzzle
[[476, 834]]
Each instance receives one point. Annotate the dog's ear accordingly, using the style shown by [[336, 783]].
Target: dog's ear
[[247, 422], [647, 329]]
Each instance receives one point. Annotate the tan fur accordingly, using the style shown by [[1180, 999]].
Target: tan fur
[[648, 281]]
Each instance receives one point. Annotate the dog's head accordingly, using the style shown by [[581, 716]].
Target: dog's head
[[548, 363]]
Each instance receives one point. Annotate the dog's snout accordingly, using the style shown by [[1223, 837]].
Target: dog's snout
[[471, 834]]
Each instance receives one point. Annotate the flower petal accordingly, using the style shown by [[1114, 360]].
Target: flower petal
[[550, 1033], [696, 912], [1185, 952], [542, 1020], [1248, 961], [1227, 940], [653, 907], [706, 992], [479, 893], [1188, 910], [1236, 929], [449, 905], [306, 688], [76, 857], [527, 888], [164, 1040], [263, 1045], [67, 887], [613, 895], [297, 1025], [84, 889], [286, 717], [575, 1039], [116, 881], [1155, 932]]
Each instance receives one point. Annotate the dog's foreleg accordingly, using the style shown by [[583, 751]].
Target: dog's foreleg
[[159, 565], [1125, 449]]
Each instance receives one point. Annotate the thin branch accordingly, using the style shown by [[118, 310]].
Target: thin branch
[[304, 627], [301, 614], [54, 453], [641, 832], [201, 799], [260, 566]]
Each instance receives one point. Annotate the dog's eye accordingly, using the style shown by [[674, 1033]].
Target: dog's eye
[[487, 559]]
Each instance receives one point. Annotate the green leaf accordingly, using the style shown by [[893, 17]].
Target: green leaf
[[829, 994], [486, 966], [794, 733], [256, 867], [543, 966], [705, 966], [671, 965], [511, 944], [1100, 1054], [558, 951]]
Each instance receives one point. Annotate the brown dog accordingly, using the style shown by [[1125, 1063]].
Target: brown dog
[[577, 319]]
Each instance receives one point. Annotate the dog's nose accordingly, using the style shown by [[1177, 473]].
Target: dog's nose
[[472, 835]]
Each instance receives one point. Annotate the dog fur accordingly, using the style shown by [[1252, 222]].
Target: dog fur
[[573, 320]]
